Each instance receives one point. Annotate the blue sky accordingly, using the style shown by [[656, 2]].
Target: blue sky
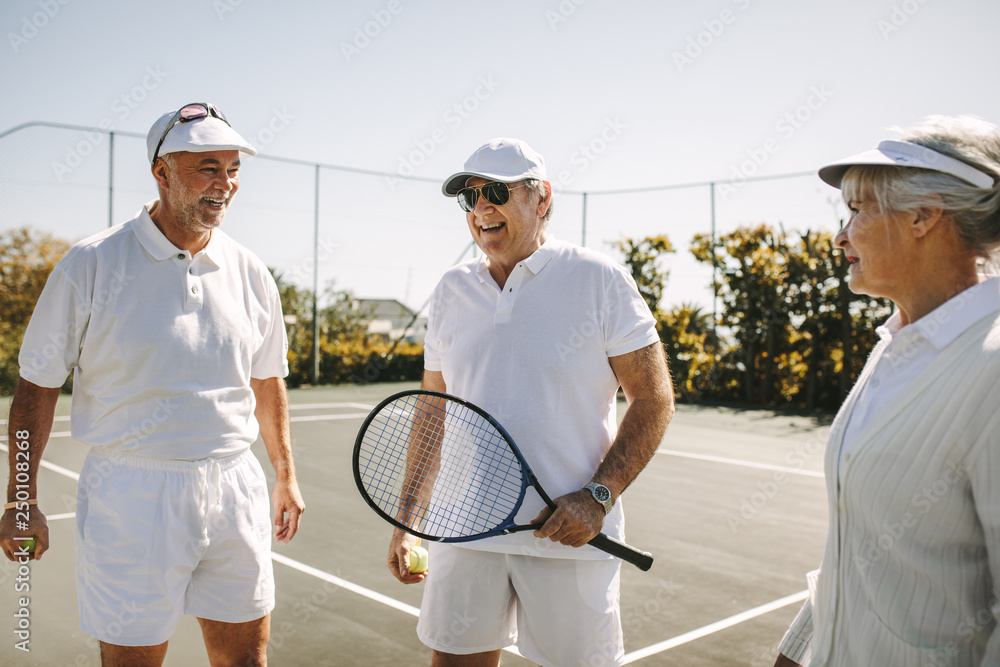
[[615, 95]]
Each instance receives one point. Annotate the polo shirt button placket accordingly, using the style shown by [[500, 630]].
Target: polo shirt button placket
[[195, 292]]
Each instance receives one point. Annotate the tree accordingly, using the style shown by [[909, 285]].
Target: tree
[[642, 257], [798, 336], [296, 307], [347, 354], [27, 257], [752, 265], [684, 331]]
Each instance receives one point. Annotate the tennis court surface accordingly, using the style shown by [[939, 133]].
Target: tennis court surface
[[732, 507]]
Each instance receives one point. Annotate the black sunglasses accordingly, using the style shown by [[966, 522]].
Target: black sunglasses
[[187, 113], [495, 192]]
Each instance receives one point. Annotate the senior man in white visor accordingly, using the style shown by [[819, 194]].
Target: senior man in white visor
[[174, 335]]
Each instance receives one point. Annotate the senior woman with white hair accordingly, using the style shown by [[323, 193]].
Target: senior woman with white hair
[[912, 563]]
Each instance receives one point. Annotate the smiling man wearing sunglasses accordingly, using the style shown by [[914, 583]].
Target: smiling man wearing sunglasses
[[176, 342], [541, 334]]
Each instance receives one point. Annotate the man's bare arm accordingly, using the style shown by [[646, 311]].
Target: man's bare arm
[[30, 420], [646, 382], [272, 415], [398, 560]]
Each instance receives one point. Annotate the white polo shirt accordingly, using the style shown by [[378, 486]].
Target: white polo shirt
[[535, 356], [162, 344]]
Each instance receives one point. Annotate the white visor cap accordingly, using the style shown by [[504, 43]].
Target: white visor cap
[[907, 154], [196, 136]]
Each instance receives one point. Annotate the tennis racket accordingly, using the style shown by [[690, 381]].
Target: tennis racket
[[442, 469]]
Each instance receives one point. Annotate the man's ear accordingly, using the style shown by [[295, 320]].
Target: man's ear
[[543, 203], [160, 169], [928, 217]]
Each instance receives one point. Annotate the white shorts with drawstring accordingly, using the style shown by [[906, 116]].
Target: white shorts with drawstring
[[558, 611], [156, 539]]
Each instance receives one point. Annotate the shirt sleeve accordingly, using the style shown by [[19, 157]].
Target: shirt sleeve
[[629, 326], [51, 346], [270, 359], [432, 354], [796, 645], [983, 470]]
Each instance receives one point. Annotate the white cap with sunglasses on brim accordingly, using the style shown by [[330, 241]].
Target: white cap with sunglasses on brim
[[200, 135], [907, 154], [504, 160]]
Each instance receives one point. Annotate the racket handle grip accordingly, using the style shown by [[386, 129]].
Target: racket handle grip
[[641, 559]]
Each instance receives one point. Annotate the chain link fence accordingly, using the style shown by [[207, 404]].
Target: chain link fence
[[386, 235]]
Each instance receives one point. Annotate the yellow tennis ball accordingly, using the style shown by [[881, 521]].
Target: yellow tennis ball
[[418, 560], [29, 544]]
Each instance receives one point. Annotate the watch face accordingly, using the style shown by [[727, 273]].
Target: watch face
[[601, 493]]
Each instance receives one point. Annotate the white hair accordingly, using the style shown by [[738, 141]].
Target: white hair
[[538, 187], [974, 211]]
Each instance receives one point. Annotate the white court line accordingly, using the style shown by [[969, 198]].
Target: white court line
[[314, 406], [60, 418], [343, 583], [319, 418], [52, 466], [303, 418], [354, 588], [738, 462], [56, 517], [714, 627], [296, 406], [413, 611]]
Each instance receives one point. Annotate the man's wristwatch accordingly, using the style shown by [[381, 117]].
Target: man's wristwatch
[[601, 494]]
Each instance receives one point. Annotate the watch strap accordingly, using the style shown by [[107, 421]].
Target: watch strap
[[597, 491]]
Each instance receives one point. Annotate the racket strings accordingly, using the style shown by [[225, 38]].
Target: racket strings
[[439, 468]]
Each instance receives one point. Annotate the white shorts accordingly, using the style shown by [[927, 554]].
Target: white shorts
[[157, 539], [558, 611]]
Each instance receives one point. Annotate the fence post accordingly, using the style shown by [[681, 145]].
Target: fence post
[[715, 298], [583, 232], [111, 179], [315, 373]]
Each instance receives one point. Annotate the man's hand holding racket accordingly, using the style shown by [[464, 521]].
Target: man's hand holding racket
[[442, 469], [576, 520]]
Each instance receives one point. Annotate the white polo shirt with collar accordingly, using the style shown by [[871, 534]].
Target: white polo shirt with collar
[[162, 344], [535, 356]]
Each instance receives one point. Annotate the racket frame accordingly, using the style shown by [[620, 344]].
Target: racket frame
[[640, 559]]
